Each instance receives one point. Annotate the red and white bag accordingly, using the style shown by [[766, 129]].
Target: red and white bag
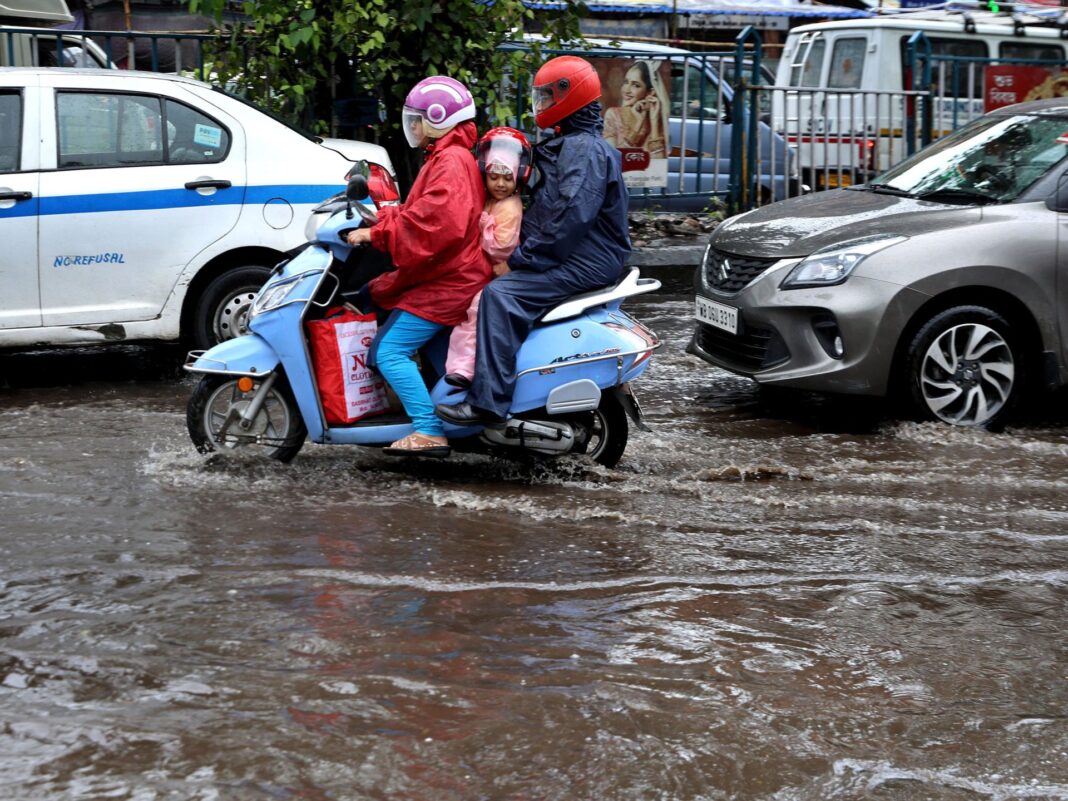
[[349, 389]]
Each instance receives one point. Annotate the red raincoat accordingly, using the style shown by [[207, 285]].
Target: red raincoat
[[434, 238]]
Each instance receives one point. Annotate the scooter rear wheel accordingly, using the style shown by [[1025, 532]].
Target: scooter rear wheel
[[277, 431], [608, 432]]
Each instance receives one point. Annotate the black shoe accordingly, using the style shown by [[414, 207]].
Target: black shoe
[[464, 414], [457, 380]]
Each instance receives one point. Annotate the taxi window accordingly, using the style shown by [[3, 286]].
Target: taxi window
[[192, 137], [10, 131], [847, 63], [108, 130]]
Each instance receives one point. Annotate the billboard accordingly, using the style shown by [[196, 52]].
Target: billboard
[[635, 101]]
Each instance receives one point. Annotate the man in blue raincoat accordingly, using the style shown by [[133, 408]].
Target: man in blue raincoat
[[574, 236]]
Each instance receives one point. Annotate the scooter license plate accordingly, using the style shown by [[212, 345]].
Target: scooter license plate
[[718, 315]]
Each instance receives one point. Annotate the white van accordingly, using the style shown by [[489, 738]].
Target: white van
[[849, 82], [24, 45]]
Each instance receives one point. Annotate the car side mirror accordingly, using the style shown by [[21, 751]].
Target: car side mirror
[[357, 190], [1058, 201]]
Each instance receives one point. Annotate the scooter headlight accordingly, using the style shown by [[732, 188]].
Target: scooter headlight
[[833, 266], [271, 297]]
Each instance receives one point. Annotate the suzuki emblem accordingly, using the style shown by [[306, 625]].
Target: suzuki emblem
[[724, 270]]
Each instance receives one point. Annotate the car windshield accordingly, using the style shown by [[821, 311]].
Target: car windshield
[[992, 160], [271, 114]]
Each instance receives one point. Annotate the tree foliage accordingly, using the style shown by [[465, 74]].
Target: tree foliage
[[300, 56]]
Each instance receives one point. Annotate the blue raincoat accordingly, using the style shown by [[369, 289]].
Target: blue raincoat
[[574, 239]]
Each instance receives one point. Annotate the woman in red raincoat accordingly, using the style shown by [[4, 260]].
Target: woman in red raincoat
[[435, 244]]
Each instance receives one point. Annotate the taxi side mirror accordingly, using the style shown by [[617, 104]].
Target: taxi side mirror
[[1058, 200]]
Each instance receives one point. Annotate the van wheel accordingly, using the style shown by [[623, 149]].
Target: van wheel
[[221, 311], [965, 367]]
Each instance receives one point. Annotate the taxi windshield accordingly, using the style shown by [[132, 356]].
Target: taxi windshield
[[992, 160]]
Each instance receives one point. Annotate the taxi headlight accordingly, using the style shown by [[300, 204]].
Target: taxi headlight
[[833, 266], [271, 297]]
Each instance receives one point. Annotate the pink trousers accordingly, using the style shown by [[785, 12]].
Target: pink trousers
[[462, 343]]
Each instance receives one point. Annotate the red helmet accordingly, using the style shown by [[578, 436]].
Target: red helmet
[[505, 148], [562, 86]]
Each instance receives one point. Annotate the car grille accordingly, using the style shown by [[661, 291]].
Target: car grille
[[750, 350], [729, 274]]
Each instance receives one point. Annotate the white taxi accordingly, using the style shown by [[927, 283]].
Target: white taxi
[[140, 206]]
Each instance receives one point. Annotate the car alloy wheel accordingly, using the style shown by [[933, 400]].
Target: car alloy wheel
[[965, 367]]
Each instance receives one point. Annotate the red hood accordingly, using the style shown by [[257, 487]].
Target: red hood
[[464, 135]]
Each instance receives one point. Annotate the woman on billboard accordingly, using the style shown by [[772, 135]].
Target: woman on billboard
[[640, 121]]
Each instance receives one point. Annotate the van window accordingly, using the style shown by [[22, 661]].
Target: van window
[[956, 74], [74, 53], [808, 72], [108, 130], [10, 131], [192, 137], [1031, 52], [697, 105], [847, 63]]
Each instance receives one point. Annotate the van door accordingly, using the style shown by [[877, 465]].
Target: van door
[[142, 183], [20, 300]]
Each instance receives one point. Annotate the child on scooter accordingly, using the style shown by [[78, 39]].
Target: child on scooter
[[504, 157]]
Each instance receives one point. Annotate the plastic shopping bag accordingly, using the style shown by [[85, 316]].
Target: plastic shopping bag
[[348, 388]]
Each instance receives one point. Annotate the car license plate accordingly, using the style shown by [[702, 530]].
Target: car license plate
[[717, 314]]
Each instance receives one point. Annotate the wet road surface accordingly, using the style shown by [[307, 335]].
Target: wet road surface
[[788, 599]]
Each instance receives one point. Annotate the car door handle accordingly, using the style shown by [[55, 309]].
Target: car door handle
[[16, 195], [209, 184]]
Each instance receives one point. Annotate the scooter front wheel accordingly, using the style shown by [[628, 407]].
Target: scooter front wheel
[[213, 419]]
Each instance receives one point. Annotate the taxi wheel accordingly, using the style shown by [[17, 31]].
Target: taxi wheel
[[222, 310]]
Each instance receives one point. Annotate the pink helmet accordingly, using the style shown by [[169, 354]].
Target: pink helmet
[[433, 107]]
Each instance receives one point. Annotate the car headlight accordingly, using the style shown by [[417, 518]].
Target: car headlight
[[832, 266], [271, 297]]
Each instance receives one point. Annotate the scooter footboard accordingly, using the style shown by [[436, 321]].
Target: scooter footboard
[[248, 355]]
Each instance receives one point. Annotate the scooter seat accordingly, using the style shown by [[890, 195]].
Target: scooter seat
[[627, 286]]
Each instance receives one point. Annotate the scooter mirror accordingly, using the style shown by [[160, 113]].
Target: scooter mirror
[[357, 189]]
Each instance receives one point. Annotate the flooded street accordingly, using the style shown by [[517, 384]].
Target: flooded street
[[769, 598]]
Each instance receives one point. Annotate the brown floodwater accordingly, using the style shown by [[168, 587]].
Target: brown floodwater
[[770, 598]]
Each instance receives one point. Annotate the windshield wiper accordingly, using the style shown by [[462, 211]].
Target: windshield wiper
[[950, 195], [886, 189]]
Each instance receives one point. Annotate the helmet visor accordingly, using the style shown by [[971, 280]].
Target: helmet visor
[[504, 155], [414, 128], [543, 98]]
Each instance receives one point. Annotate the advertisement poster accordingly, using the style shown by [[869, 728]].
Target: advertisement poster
[[1004, 84], [636, 100]]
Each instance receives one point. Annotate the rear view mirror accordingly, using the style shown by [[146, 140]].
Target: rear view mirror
[[357, 189]]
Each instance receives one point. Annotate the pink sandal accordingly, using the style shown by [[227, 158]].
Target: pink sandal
[[418, 445]]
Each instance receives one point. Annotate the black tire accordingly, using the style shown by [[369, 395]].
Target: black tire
[[965, 366], [609, 432], [213, 389], [221, 311]]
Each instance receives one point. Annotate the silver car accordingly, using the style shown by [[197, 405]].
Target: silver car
[[945, 280]]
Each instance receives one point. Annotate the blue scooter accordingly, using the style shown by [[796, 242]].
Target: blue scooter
[[572, 394]]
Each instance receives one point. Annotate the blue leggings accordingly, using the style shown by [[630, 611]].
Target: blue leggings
[[402, 335]]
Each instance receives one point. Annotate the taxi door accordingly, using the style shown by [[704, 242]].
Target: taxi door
[[20, 301], [144, 177]]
